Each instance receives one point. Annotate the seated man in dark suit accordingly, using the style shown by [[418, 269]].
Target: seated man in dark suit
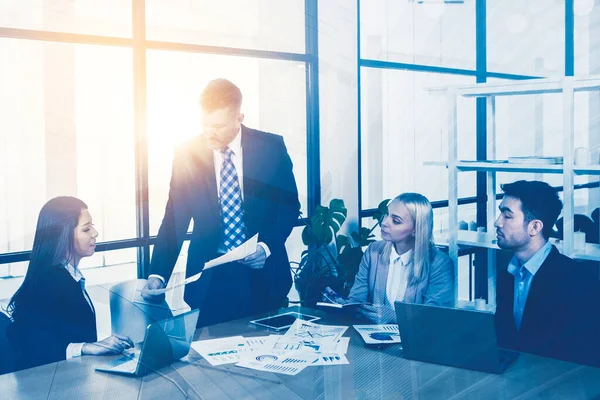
[[543, 298]]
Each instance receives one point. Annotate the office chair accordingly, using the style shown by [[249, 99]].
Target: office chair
[[581, 223], [7, 361]]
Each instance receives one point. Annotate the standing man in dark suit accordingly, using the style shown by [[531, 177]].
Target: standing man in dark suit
[[544, 299], [234, 182]]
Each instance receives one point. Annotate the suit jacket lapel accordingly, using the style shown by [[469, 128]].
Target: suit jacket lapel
[[203, 167], [410, 295], [539, 282], [383, 267], [510, 312], [251, 170]]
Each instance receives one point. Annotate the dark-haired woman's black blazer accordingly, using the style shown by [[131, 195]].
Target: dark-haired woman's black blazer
[[49, 317]]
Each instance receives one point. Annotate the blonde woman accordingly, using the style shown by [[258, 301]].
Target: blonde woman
[[405, 265]]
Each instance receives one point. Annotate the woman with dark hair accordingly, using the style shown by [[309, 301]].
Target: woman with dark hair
[[53, 315]]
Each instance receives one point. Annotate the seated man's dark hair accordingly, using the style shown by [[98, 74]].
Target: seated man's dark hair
[[539, 201]]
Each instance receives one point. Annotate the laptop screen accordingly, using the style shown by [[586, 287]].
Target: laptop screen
[[448, 336], [179, 331]]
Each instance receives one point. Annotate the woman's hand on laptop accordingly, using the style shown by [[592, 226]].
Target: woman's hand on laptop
[[114, 344]]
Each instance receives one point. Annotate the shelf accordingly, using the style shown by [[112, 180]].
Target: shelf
[[436, 163], [522, 87], [592, 169], [468, 238], [488, 241], [591, 253], [510, 167]]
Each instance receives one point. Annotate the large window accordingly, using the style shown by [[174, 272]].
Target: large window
[[92, 17], [432, 33], [66, 128], [407, 47], [273, 25], [586, 37], [403, 128], [83, 105], [526, 37]]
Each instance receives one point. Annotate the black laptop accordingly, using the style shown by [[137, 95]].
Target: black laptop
[[165, 342], [451, 336]]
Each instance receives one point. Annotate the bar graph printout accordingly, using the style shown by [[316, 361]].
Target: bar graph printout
[[304, 345], [308, 336], [229, 350]]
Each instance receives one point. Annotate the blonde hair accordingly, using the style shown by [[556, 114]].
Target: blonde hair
[[420, 210]]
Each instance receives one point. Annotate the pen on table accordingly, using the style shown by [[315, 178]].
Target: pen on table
[[237, 373]]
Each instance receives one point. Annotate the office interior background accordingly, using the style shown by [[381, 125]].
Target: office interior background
[[94, 96]]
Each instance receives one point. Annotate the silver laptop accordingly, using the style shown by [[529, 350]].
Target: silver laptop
[[451, 336], [164, 342]]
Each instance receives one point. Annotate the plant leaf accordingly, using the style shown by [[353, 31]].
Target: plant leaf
[[326, 222], [342, 241], [308, 237], [382, 210], [337, 213], [365, 237]]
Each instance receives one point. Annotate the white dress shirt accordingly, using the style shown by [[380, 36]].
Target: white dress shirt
[[398, 275], [74, 349], [237, 160]]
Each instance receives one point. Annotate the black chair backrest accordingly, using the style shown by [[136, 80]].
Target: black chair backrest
[[7, 361], [581, 223]]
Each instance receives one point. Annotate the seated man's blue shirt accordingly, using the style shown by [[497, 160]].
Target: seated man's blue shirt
[[524, 275]]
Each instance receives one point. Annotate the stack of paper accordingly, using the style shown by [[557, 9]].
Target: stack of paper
[[305, 344]]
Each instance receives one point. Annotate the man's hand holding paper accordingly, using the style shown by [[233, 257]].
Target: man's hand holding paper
[[239, 253], [257, 259], [245, 253]]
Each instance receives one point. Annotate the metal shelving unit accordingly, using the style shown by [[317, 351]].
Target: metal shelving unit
[[568, 86]]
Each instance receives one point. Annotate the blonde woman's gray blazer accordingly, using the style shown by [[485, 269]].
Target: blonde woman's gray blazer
[[371, 282]]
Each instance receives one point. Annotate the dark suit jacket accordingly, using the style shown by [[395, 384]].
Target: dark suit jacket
[[52, 314], [271, 208], [559, 318]]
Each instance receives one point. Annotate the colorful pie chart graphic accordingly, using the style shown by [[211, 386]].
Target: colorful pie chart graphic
[[384, 336], [266, 357]]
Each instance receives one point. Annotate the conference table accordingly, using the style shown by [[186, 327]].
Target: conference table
[[373, 373]]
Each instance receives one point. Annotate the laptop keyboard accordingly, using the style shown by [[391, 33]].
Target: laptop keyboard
[[132, 352], [129, 365]]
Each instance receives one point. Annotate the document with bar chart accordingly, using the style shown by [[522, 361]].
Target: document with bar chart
[[308, 336], [379, 334], [229, 350], [331, 359], [279, 362]]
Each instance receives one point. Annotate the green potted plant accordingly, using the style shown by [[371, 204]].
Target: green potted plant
[[332, 259]]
